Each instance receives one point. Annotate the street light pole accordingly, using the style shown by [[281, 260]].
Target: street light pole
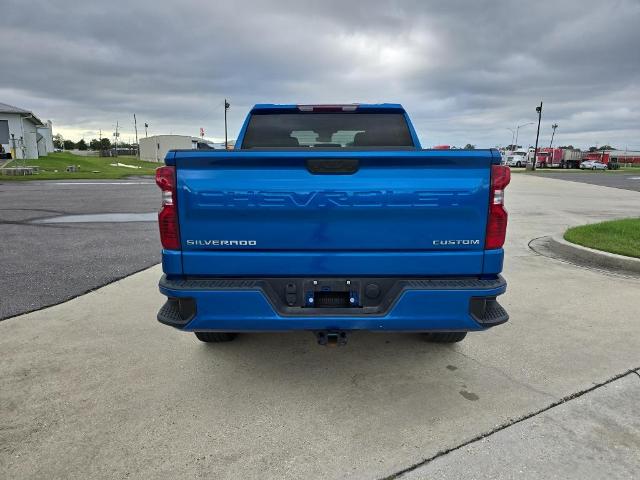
[[518, 130], [135, 125], [535, 150], [226, 107]]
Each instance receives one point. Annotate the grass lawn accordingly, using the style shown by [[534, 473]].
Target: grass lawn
[[617, 236], [88, 165]]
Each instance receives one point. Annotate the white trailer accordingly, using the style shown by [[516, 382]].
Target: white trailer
[[154, 149]]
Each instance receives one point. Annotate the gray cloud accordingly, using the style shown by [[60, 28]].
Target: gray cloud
[[466, 71]]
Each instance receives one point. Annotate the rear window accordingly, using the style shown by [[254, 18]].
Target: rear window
[[327, 130]]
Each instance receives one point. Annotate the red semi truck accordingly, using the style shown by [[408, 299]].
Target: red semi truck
[[558, 157], [566, 158]]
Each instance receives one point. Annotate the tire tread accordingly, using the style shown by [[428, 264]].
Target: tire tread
[[215, 337], [446, 337]]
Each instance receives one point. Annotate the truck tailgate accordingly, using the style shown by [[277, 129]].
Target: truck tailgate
[[325, 212]]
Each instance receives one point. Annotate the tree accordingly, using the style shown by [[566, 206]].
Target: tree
[[69, 145], [567, 147], [58, 141], [81, 145], [94, 144], [598, 149], [105, 144], [468, 146]]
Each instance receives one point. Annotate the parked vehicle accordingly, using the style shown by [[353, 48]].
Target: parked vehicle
[[516, 159], [558, 158], [570, 158], [586, 165], [592, 165], [332, 218], [613, 158]]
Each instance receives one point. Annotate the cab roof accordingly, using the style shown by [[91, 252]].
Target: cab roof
[[335, 107]]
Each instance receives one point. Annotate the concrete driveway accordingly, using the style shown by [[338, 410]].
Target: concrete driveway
[[96, 388]]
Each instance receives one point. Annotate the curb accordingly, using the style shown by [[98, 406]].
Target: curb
[[597, 258]]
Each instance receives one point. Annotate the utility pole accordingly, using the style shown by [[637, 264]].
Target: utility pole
[[226, 107], [535, 150], [115, 135], [146, 125], [554, 126], [135, 126]]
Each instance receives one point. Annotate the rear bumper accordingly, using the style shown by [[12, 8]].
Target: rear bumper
[[244, 305]]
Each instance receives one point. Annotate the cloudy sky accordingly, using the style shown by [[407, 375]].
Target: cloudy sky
[[466, 71]]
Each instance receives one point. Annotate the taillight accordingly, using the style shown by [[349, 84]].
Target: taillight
[[497, 221], [168, 215]]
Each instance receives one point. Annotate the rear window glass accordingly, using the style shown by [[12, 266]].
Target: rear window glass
[[327, 130]]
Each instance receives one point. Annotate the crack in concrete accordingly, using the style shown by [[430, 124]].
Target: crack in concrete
[[508, 424], [507, 376]]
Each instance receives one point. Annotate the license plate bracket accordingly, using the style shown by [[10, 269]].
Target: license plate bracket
[[331, 293]]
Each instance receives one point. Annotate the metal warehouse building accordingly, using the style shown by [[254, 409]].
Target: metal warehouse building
[[154, 149], [23, 134]]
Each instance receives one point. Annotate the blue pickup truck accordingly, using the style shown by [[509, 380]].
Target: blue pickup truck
[[332, 218]]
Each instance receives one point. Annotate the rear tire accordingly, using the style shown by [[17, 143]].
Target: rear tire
[[215, 337], [445, 337]]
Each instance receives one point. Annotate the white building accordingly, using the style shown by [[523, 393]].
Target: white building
[[220, 145], [154, 149], [45, 139], [23, 134]]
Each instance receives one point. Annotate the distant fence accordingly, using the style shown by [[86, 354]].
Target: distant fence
[[121, 151], [19, 171], [84, 153]]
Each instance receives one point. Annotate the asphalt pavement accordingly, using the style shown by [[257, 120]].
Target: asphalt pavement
[[97, 388], [613, 179], [46, 263]]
